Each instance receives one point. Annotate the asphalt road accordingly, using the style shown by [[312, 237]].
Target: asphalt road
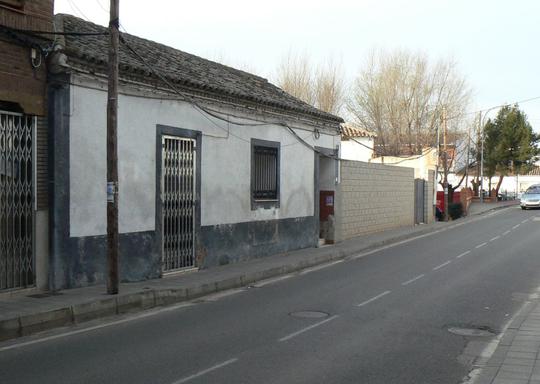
[[387, 319]]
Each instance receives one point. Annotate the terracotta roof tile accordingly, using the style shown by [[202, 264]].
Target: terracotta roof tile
[[350, 130]]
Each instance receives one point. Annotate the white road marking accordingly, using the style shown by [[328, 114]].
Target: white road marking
[[319, 267], [288, 337], [480, 245], [413, 279], [505, 233], [383, 248], [442, 265], [89, 329], [220, 295], [495, 238], [462, 254], [524, 221], [204, 372], [515, 226], [272, 280], [374, 298]]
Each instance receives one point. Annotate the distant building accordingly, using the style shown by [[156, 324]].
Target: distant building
[[422, 164], [356, 143]]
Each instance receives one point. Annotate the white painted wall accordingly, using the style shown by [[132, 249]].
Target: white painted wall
[[352, 150], [509, 184], [226, 161], [422, 165], [327, 174]]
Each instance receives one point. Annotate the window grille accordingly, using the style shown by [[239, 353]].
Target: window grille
[[265, 173]]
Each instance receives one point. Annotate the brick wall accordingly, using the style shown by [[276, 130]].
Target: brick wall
[[21, 83], [372, 198], [26, 14]]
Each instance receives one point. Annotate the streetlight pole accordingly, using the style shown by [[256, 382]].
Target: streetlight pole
[[482, 151], [445, 166]]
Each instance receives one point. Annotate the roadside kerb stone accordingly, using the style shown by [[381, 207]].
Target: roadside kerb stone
[[10, 329], [150, 298], [42, 321], [230, 283], [135, 302], [197, 291], [93, 310], [166, 297]]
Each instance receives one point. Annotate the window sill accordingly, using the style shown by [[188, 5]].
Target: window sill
[[265, 204]]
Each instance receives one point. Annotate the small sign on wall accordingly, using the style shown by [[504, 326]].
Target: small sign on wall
[[329, 201], [326, 204], [111, 191]]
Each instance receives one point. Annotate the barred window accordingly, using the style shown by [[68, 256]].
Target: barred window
[[264, 172]]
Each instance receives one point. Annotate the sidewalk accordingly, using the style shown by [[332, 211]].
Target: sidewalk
[[478, 208], [26, 313], [516, 359]]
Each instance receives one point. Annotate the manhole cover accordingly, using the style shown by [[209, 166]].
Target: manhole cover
[[309, 314], [472, 331]]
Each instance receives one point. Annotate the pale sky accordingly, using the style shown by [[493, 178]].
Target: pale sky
[[495, 42]]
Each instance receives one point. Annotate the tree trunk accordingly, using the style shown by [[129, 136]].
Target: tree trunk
[[499, 185], [460, 181], [475, 184]]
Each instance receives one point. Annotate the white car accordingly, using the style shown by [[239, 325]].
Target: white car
[[531, 197]]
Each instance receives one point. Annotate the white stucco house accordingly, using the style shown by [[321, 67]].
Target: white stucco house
[[216, 165], [356, 143], [423, 164]]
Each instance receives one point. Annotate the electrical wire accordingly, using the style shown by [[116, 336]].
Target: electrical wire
[[218, 115], [102, 7], [39, 32], [76, 9]]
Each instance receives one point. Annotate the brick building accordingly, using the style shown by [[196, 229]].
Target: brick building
[[23, 142]]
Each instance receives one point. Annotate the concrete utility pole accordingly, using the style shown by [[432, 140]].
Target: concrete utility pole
[[482, 150], [445, 166], [436, 181], [482, 162], [468, 157], [112, 152]]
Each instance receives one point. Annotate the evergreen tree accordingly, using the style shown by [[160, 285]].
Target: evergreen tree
[[510, 144]]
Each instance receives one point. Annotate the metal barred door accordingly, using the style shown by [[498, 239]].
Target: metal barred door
[[16, 200], [178, 203], [419, 201]]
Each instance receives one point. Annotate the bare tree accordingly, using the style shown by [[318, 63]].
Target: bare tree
[[329, 88], [400, 96], [321, 86], [295, 77]]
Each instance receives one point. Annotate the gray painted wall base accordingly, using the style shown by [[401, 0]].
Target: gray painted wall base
[[87, 256], [230, 243]]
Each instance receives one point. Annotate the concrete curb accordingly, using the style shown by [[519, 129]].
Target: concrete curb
[[152, 298]]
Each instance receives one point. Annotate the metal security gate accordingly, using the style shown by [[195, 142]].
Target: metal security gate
[[178, 203], [16, 200], [419, 186]]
